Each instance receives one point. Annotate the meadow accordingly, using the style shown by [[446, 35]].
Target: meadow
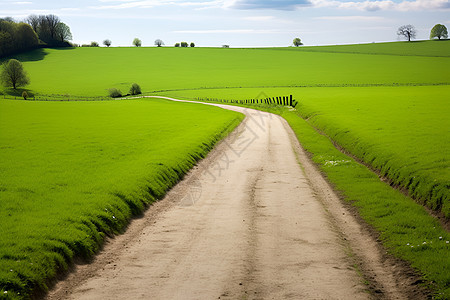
[[401, 132], [73, 172], [92, 71], [384, 104]]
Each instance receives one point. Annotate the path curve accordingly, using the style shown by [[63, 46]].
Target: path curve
[[245, 223]]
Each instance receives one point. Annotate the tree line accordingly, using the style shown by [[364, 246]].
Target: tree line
[[31, 33]]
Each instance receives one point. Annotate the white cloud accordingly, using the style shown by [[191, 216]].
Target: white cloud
[[405, 5], [124, 4], [234, 31], [259, 18], [351, 18], [23, 2]]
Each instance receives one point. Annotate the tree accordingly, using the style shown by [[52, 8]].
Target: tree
[[159, 43], [93, 44], [33, 21], [137, 42], [439, 31], [407, 31], [184, 44], [63, 32], [13, 74], [297, 42], [177, 45], [25, 38], [192, 45], [135, 89]]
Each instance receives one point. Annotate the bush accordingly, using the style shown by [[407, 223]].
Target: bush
[[115, 93], [184, 44], [192, 45], [135, 89], [177, 45]]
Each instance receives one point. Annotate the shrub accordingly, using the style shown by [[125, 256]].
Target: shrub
[[192, 45], [115, 93], [177, 45], [135, 89], [25, 95], [184, 44], [94, 44]]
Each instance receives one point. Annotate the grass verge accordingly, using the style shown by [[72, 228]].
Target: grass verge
[[72, 173], [405, 228]]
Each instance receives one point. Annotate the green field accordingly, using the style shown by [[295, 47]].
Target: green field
[[386, 104], [72, 172], [403, 132], [92, 71]]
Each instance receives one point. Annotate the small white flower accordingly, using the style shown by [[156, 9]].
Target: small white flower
[[424, 243], [5, 292], [114, 217], [440, 237], [446, 242], [407, 244]]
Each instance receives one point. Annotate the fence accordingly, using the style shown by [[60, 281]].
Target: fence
[[283, 100]]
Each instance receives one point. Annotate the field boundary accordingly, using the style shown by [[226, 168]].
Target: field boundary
[[63, 97]]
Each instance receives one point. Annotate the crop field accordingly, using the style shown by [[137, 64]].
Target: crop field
[[385, 104], [72, 172]]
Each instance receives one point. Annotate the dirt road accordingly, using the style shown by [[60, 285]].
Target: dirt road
[[246, 223]]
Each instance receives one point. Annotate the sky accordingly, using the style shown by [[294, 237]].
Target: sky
[[238, 23]]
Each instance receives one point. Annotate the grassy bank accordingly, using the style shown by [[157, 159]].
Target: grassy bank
[[72, 173], [402, 132], [405, 228]]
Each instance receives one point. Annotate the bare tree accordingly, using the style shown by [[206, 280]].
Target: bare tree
[[33, 21], [159, 43], [52, 22], [407, 31]]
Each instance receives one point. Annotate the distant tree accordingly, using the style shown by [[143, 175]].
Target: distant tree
[[13, 74], [297, 42], [407, 31], [159, 43], [114, 93], [177, 45], [137, 42], [135, 89], [33, 21], [184, 44], [192, 45], [439, 31], [94, 44], [47, 28], [63, 32], [107, 42], [24, 95]]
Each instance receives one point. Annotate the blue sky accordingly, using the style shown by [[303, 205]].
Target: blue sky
[[239, 23]]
